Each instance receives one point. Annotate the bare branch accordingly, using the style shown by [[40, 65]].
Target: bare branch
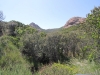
[[1, 16]]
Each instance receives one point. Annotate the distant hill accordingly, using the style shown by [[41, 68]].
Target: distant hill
[[74, 21], [35, 26], [52, 30], [40, 29]]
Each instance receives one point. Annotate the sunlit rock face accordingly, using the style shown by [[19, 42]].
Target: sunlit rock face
[[74, 21]]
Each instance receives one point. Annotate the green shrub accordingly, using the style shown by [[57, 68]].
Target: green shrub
[[59, 69], [86, 67], [11, 60], [17, 69]]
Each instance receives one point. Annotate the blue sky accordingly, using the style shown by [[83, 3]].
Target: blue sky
[[46, 13]]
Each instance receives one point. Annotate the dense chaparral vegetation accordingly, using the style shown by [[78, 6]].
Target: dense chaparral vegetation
[[25, 50]]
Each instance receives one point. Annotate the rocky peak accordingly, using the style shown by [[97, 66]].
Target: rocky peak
[[74, 21], [34, 25]]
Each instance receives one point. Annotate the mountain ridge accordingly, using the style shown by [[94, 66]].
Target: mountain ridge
[[72, 21]]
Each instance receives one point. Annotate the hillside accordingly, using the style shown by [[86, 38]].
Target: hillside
[[71, 50]]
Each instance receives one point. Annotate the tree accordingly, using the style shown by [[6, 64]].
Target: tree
[[1, 16], [93, 19]]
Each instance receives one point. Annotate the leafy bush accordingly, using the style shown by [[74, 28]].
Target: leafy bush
[[11, 60], [59, 69]]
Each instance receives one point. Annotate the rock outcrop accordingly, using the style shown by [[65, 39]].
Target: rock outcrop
[[74, 21]]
